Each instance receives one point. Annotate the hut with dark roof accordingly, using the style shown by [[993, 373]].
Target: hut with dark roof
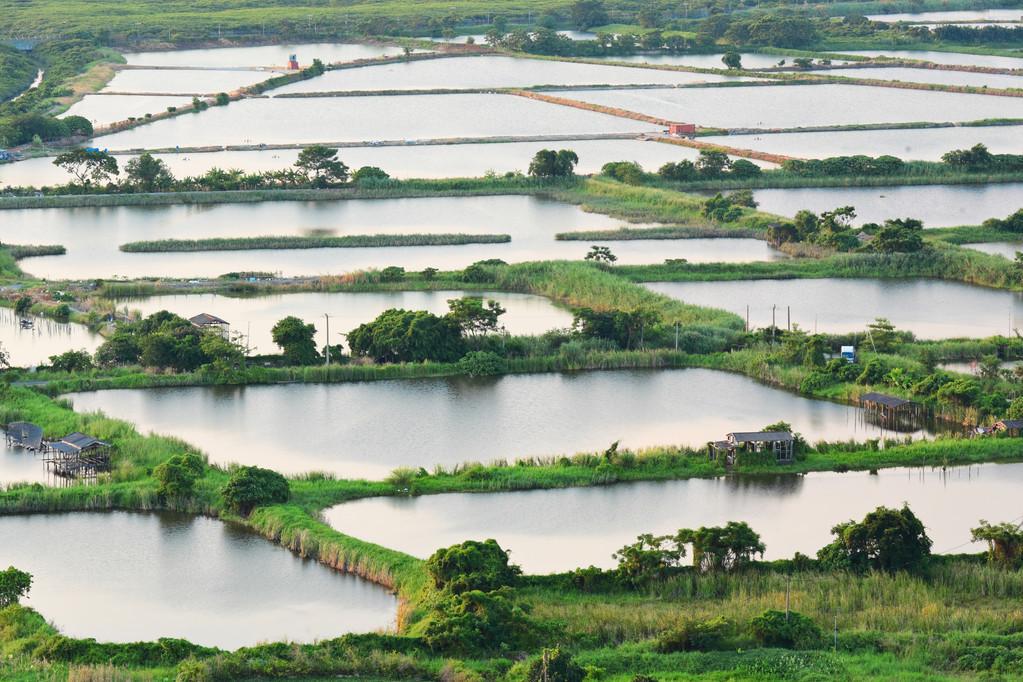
[[780, 443]]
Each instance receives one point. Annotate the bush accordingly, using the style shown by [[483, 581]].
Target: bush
[[71, 361], [177, 476], [554, 665], [250, 487], [14, 585], [692, 635], [475, 622], [472, 565], [479, 363], [789, 631]]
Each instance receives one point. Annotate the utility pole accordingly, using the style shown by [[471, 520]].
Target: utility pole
[[747, 318], [774, 326], [327, 361], [248, 337], [676, 337], [836, 631], [788, 595], [788, 312]]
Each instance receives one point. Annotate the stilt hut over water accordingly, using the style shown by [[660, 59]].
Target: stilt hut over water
[[891, 411], [77, 454], [780, 443], [24, 435]]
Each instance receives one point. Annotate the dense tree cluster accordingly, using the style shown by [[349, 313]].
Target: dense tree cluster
[[165, 341]]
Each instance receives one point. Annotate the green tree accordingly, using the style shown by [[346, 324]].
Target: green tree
[[87, 166], [368, 174], [741, 168], [601, 255], [899, 236], [886, 540], [1004, 543], [177, 476], [297, 340], [474, 317], [222, 99], [14, 585], [1015, 410], [320, 166], [476, 623], [146, 173], [588, 13], [683, 171], [712, 163], [472, 565], [650, 558], [548, 163], [629, 172], [882, 335], [408, 336], [71, 361], [23, 305], [554, 665], [732, 59], [976, 158], [251, 487], [722, 548]]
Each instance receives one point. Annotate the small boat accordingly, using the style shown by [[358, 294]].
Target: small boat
[[26, 323]]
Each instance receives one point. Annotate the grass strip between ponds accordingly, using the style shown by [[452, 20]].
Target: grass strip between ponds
[[311, 242]]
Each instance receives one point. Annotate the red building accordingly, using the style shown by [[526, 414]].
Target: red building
[[682, 129], [293, 62]]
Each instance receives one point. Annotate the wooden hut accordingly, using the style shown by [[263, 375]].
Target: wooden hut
[[77, 454], [24, 435], [889, 408], [208, 322], [780, 443]]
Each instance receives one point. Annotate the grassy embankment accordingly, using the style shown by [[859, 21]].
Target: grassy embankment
[[312, 242]]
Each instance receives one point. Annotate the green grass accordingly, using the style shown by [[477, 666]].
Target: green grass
[[312, 242]]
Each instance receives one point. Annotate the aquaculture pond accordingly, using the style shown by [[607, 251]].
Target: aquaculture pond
[[18, 465], [935, 205], [185, 81], [916, 144], [253, 317], [92, 236], [265, 55], [103, 110], [1007, 249], [977, 80], [952, 15], [172, 575], [959, 58], [551, 531], [370, 118], [750, 60], [487, 72], [931, 309], [33, 343], [398, 161], [370, 428], [788, 106]]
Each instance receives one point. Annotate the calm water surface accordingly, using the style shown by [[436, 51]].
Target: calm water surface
[[368, 429], [920, 144], [946, 58], [1007, 249], [525, 314], [46, 337], [931, 309], [558, 530], [413, 161], [92, 236], [106, 109], [184, 81], [128, 577], [936, 205], [787, 106], [267, 55], [750, 60], [991, 80], [357, 119], [20, 466], [486, 72], [964, 15]]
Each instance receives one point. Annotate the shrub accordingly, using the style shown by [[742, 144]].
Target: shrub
[[250, 487], [887, 540], [476, 622], [71, 361], [554, 665], [472, 565], [392, 273], [479, 363], [177, 476], [787, 630], [693, 635], [14, 585]]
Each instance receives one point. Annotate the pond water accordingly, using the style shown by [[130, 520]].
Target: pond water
[[199, 81], [956, 15], [961, 58], [481, 38], [551, 531], [368, 429], [918, 144], [255, 316], [936, 205], [991, 80], [47, 337], [20, 466], [106, 109], [412, 161], [128, 577], [973, 367], [92, 236], [790, 106], [486, 72], [931, 309], [356, 119], [266, 55], [1007, 249]]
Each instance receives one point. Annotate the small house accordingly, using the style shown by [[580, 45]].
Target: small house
[[24, 435], [6, 155], [293, 62], [780, 443], [682, 129], [77, 454], [1012, 427], [207, 322]]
